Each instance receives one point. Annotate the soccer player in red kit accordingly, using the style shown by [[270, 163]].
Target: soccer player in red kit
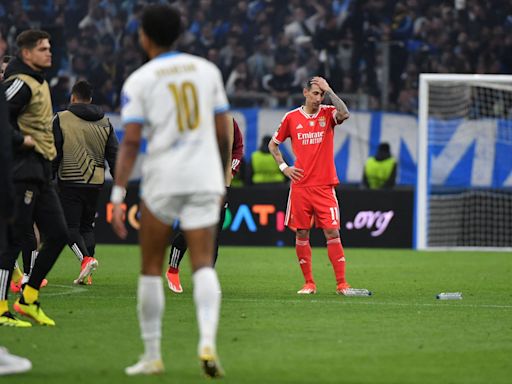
[[313, 177]]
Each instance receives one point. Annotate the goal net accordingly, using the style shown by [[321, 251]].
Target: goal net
[[464, 186]]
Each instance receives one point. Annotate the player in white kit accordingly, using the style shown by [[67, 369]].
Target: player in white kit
[[178, 101]]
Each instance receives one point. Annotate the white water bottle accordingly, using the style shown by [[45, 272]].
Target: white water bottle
[[449, 296], [356, 292]]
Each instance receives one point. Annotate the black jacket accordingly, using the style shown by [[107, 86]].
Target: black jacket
[[28, 165], [6, 187], [89, 112]]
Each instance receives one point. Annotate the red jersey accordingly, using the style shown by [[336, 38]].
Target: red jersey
[[312, 139], [237, 149]]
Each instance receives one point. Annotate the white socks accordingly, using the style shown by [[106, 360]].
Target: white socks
[[150, 308], [151, 303], [207, 299]]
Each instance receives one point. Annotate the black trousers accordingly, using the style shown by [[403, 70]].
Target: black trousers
[[39, 203], [80, 204]]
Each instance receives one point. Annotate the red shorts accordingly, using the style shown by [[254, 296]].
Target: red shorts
[[310, 205]]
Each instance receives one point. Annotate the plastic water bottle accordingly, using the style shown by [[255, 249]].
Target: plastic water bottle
[[356, 292], [449, 296]]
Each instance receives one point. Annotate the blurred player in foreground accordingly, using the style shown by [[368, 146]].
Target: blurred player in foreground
[[11, 364], [313, 177], [180, 101], [179, 244]]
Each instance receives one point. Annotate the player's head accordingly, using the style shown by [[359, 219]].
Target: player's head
[[264, 143], [5, 61], [160, 27], [81, 92], [383, 151], [34, 49], [313, 94]]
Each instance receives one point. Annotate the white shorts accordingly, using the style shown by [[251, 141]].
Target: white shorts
[[194, 211]]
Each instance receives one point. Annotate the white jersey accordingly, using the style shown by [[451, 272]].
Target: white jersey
[[176, 96]]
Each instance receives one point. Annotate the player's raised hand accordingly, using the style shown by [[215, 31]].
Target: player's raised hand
[[321, 82], [118, 221], [295, 174]]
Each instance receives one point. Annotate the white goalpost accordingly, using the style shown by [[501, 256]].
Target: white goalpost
[[464, 179]]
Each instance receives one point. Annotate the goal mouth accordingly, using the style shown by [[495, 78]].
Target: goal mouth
[[464, 185]]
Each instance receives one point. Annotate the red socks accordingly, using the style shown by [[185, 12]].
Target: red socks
[[303, 250], [337, 257]]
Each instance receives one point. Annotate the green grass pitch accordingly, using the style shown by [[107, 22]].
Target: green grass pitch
[[269, 334]]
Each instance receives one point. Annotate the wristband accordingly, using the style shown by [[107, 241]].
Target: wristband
[[283, 166], [117, 195]]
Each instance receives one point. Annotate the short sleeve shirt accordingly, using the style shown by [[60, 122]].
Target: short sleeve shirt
[[312, 138], [176, 96]]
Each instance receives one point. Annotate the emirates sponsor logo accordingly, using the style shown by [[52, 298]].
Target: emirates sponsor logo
[[311, 137]]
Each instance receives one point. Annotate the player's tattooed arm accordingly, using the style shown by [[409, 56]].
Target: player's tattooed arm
[[342, 113], [341, 108]]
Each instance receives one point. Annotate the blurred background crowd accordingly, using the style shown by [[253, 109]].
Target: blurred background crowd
[[371, 51]]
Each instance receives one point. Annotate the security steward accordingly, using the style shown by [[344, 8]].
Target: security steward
[[264, 167], [380, 170]]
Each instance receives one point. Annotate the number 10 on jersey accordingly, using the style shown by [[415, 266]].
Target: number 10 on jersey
[[187, 108]]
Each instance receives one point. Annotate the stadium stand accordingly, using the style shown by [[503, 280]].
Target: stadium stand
[[371, 50]]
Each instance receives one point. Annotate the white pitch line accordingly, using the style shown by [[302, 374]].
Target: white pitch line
[[349, 301], [371, 301], [71, 290]]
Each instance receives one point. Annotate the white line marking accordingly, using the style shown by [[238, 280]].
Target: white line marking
[[71, 290], [371, 301], [346, 301]]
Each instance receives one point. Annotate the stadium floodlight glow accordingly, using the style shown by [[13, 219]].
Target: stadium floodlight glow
[[464, 179]]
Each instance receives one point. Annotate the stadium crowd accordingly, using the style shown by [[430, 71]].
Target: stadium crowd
[[270, 47]]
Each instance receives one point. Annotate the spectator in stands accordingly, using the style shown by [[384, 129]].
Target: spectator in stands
[[261, 61], [99, 19], [3, 65], [380, 170], [71, 50], [326, 41], [303, 24], [60, 92], [346, 36], [263, 167], [238, 79], [307, 71], [284, 51], [280, 84]]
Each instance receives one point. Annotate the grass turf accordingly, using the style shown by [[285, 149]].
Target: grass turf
[[269, 334]]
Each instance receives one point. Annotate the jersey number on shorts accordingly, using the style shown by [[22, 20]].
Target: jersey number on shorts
[[334, 213], [185, 98]]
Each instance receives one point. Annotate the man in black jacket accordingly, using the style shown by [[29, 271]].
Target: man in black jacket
[[6, 208], [84, 139], [29, 248], [30, 111]]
